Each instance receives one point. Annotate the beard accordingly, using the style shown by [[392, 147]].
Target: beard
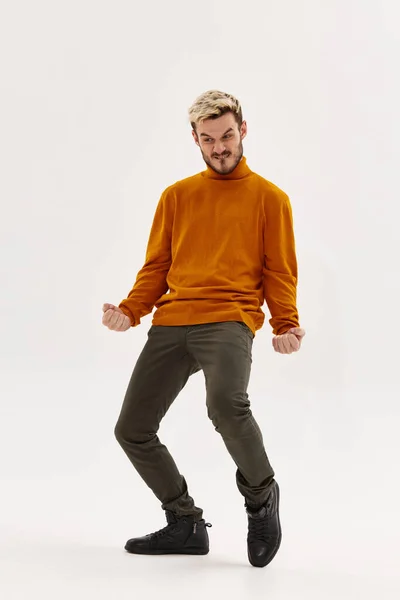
[[225, 165]]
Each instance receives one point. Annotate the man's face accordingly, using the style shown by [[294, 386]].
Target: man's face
[[220, 142]]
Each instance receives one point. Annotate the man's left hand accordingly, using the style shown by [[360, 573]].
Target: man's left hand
[[288, 342]]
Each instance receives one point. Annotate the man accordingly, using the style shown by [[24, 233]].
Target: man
[[221, 243]]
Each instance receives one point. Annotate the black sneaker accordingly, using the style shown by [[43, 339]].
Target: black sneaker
[[265, 534], [182, 535]]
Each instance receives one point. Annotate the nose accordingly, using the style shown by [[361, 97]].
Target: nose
[[219, 148]]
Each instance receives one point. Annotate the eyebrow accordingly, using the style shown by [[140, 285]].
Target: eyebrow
[[208, 135]]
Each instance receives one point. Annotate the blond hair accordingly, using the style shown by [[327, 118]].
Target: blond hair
[[214, 104]]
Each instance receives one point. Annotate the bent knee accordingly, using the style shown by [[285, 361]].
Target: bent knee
[[132, 433], [228, 413]]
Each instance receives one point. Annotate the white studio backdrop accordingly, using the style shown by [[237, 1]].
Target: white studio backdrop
[[93, 127]]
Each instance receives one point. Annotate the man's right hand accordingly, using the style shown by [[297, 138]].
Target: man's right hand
[[115, 319], [288, 342]]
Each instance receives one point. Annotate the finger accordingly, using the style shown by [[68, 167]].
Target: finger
[[294, 342], [122, 322], [112, 317], [116, 319], [107, 306], [286, 344], [117, 322], [107, 316], [282, 345]]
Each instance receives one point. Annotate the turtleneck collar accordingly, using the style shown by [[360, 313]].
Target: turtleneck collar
[[241, 170]]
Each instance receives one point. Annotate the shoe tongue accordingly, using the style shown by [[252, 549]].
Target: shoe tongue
[[171, 517]]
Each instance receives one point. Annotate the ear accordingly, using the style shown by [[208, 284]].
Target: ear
[[196, 139], [243, 130]]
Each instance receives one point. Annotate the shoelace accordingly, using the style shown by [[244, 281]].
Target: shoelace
[[258, 530], [259, 527], [164, 531]]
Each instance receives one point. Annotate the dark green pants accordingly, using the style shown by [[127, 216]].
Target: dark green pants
[[170, 356]]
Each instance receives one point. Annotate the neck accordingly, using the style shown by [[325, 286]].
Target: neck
[[241, 170]]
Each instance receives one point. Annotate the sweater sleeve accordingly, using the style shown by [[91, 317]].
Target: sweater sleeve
[[151, 280], [280, 263]]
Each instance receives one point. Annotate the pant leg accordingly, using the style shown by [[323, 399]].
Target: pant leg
[[223, 350], [161, 372]]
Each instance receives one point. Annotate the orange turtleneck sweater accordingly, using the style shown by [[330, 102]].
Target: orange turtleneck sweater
[[219, 246]]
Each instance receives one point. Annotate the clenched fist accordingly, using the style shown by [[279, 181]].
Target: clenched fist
[[288, 342], [115, 319]]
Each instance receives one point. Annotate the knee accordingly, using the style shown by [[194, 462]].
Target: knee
[[132, 432], [119, 431], [127, 432], [227, 412]]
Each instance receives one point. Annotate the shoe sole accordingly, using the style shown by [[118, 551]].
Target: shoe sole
[[190, 551], [279, 538]]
